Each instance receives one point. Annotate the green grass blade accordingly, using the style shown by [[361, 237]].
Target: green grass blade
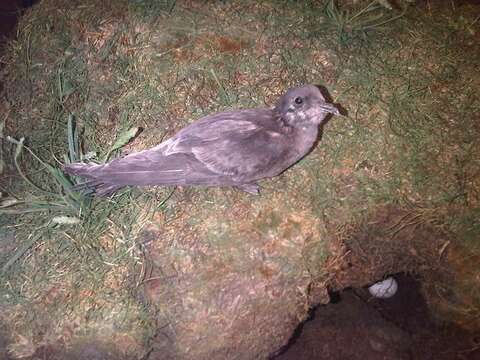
[[72, 143], [19, 253]]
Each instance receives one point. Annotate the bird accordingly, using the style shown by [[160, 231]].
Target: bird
[[234, 148]]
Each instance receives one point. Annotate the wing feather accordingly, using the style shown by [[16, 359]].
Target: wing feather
[[231, 143]]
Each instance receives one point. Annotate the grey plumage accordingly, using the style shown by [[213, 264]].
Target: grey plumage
[[232, 148]]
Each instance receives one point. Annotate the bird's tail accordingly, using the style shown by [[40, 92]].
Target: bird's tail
[[93, 183]]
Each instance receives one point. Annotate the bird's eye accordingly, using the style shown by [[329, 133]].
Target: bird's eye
[[298, 100]]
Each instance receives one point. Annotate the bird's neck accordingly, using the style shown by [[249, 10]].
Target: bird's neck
[[305, 137]]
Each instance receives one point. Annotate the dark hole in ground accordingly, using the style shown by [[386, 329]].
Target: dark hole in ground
[[358, 326], [10, 10]]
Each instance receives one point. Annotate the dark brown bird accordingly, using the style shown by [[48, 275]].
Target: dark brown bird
[[231, 148]]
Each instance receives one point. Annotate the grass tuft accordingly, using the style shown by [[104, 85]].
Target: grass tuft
[[349, 23]]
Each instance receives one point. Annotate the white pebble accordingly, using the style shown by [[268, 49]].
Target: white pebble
[[384, 289]]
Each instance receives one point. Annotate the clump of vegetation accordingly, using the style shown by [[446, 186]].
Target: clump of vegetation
[[358, 20]]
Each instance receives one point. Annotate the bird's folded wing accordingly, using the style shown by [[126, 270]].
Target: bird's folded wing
[[231, 146]]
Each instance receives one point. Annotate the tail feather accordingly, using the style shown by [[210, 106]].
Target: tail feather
[[80, 169], [92, 185], [146, 169]]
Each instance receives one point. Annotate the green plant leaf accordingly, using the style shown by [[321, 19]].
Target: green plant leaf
[[67, 88], [72, 138], [122, 140]]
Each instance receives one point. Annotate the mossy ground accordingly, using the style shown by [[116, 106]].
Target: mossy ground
[[410, 87]]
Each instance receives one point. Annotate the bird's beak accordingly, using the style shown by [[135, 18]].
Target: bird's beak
[[329, 108]]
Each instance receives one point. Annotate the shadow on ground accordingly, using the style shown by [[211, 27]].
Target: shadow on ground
[[358, 326]]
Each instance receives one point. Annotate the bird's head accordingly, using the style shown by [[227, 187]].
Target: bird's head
[[303, 106]]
